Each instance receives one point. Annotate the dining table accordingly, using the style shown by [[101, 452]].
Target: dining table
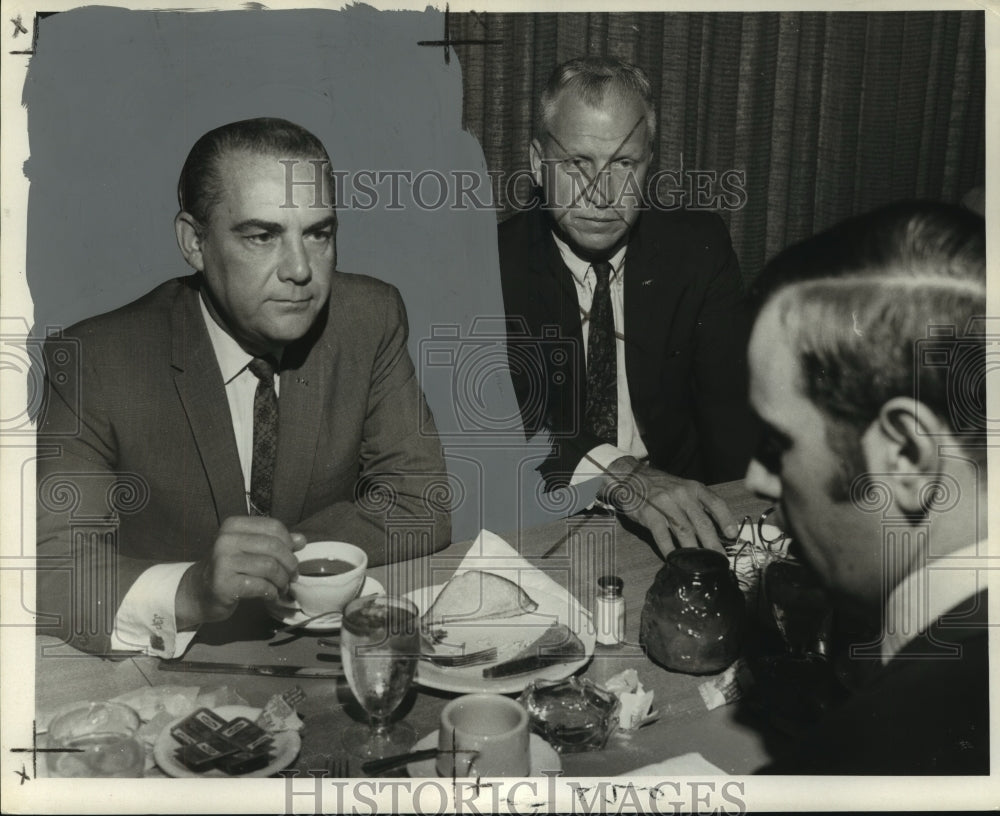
[[723, 734]]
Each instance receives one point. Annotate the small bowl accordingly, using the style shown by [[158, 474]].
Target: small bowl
[[571, 715], [329, 592], [97, 739]]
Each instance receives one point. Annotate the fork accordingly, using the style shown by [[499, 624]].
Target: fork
[[444, 661]]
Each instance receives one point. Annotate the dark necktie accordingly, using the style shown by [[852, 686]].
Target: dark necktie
[[601, 411], [265, 436]]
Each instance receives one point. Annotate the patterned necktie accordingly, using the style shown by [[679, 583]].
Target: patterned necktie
[[601, 411], [265, 436]]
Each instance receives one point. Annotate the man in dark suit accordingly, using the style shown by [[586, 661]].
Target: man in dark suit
[[220, 421], [626, 324], [868, 372]]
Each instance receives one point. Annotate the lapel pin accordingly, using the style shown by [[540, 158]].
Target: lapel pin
[[647, 282], [302, 380]]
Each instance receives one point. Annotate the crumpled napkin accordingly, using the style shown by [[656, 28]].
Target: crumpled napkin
[[635, 700], [726, 687]]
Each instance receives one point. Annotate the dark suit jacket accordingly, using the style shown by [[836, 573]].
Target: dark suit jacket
[[686, 329], [919, 715], [143, 406]]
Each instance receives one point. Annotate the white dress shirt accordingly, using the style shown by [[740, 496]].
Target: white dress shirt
[[145, 620], [598, 460], [930, 591]]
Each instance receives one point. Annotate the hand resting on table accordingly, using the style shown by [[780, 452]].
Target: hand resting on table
[[668, 506]]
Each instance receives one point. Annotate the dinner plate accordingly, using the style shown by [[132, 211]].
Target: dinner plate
[[289, 613], [509, 635], [543, 758], [286, 748]]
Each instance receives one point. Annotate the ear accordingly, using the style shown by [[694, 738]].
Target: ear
[[535, 156], [903, 442], [188, 232]]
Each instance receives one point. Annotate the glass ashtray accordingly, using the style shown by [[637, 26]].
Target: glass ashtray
[[571, 715]]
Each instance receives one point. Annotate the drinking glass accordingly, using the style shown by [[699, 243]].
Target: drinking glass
[[799, 606], [96, 739], [380, 645]]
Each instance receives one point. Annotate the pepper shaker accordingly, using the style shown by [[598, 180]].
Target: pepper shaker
[[610, 610]]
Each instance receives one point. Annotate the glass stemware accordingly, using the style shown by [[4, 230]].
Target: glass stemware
[[380, 645], [799, 606]]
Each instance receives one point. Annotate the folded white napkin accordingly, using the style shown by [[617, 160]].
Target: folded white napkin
[[490, 553], [692, 764]]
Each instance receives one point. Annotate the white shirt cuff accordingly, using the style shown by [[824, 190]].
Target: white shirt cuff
[[596, 463], [145, 620]]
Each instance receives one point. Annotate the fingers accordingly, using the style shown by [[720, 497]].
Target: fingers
[[240, 586], [682, 509], [719, 511], [669, 519], [253, 557], [240, 536], [666, 521], [253, 576]]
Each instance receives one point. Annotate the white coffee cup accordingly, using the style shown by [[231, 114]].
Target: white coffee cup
[[316, 589], [483, 735]]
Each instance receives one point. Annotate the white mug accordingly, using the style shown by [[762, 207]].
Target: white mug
[[483, 735]]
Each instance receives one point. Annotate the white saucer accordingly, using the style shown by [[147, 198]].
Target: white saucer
[[286, 748], [289, 613], [542, 757]]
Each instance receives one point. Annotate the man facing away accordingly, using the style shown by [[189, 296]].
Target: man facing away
[[626, 323], [868, 372], [217, 423]]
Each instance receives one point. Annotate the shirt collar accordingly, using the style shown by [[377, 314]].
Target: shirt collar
[[579, 267], [926, 594], [231, 356]]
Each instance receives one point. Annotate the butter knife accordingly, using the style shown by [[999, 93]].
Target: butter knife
[[246, 668]]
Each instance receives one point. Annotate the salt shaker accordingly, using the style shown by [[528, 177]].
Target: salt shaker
[[610, 610]]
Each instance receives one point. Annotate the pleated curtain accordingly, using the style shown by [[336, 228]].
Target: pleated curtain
[[826, 114]]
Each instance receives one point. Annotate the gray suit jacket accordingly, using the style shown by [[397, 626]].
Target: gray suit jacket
[[137, 460]]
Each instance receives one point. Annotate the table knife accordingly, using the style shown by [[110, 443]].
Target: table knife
[[245, 668], [379, 766]]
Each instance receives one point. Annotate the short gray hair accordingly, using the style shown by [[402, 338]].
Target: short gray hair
[[592, 79]]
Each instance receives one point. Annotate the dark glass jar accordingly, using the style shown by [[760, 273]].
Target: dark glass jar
[[694, 615]]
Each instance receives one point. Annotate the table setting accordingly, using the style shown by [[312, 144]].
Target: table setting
[[485, 664]]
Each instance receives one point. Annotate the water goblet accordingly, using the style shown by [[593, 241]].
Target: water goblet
[[380, 646]]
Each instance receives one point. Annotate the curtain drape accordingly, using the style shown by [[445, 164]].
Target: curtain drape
[[815, 116]]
